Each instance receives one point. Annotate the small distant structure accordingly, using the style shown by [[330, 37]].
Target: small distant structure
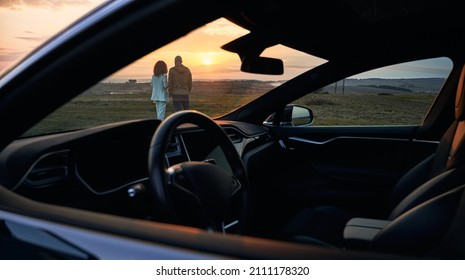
[[131, 81]]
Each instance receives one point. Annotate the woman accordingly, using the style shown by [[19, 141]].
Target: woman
[[159, 88]]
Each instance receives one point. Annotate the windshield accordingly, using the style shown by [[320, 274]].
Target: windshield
[[218, 86]]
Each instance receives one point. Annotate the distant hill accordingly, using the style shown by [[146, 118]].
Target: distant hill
[[391, 86], [204, 86], [379, 86]]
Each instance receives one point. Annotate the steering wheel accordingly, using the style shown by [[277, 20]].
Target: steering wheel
[[198, 193]]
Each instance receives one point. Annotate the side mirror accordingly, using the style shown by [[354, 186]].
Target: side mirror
[[292, 115]]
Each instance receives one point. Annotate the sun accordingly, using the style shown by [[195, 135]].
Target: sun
[[207, 61], [207, 58]]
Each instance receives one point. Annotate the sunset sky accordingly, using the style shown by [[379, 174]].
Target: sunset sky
[[25, 24]]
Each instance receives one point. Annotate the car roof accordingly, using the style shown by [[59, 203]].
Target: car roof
[[340, 29]]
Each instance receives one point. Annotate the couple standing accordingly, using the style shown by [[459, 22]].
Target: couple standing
[[177, 85]]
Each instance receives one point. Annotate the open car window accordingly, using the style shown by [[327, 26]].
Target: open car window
[[399, 94]]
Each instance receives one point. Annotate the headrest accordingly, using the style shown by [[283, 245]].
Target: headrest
[[460, 98]]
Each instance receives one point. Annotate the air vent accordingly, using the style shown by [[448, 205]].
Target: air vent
[[234, 135], [50, 169]]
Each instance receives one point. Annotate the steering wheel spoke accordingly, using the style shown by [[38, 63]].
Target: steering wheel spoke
[[177, 179]]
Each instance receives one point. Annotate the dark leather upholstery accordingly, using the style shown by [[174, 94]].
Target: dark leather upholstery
[[419, 230], [460, 99], [434, 176], [431, 175]]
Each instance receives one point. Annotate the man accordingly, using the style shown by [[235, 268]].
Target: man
[[179, 84]]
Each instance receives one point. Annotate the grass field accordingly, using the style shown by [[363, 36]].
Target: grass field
[[112, 102], [368, 109]]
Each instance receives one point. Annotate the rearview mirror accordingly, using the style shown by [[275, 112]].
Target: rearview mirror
[[262, 65]]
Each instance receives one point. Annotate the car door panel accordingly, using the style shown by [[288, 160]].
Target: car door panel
[[346, 165]]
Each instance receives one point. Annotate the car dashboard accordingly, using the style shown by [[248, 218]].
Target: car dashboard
[[94, 168]]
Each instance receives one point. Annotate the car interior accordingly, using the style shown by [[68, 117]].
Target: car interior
[[434, 176], [261, 181]]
